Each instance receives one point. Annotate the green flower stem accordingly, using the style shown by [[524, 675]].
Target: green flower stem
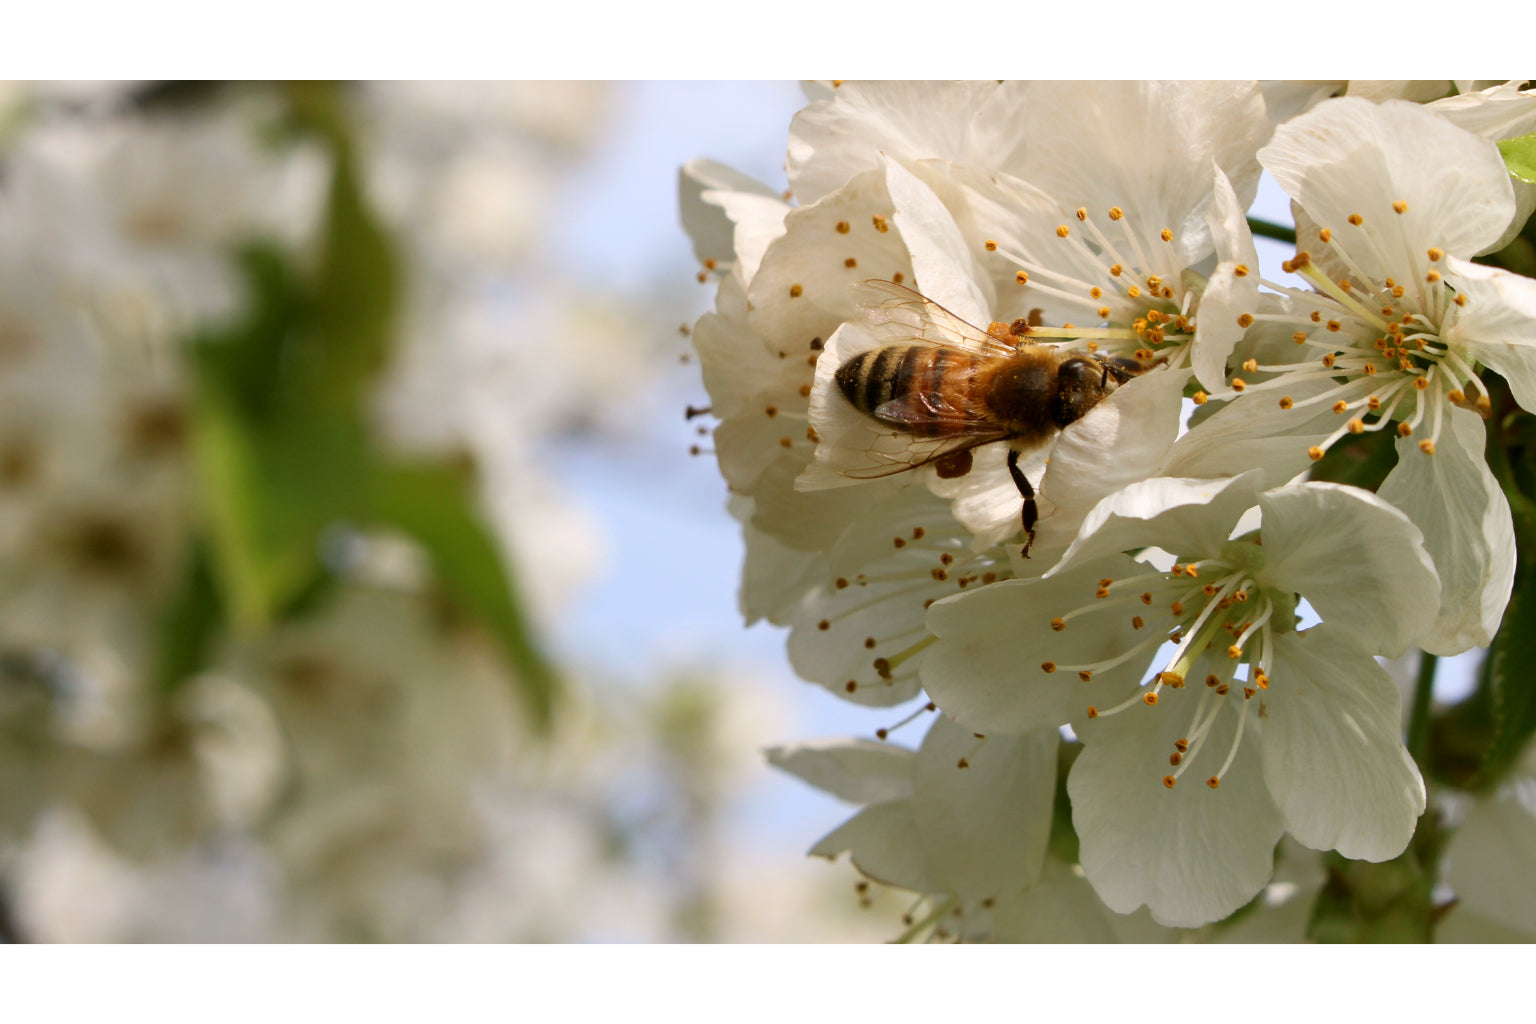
[[1418, 719], [1279, 232]]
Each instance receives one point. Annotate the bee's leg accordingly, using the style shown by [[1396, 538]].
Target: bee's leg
[[1031, 510]]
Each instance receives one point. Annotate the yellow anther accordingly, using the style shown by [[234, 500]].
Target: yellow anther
[[1021, 277], [1241, 270], [1167, 235], [1093, 712], [1286, 403], [1300, 337], [1325, 235], [1404, 430], [1085, 675], [1116, 270], [1234, 651], [1133, 291], [1420, 383], [1340, 406], [1213, 782], [1047, 666], [1427, 446], [1058, 624], [1315, 453], [1245, 320], [1082, 213], [1357, 426], [795, 291], [1149, 699], [1238, 384], [990, 245], [1170, 781], [1432, 277], [1356, 219], [1250, 366], [1115, 213], [1460, 299], [1436, 254], [1398, 206], [1062, 231]]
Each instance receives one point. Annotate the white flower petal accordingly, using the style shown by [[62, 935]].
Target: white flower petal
[[802, 290], [1255, 433], [1464, 517], [987, 668], [1191, 853], [1491, 856], [859, 771], [946, 271], [708, 194], [1333, 758], [1060, 907], [1343, 158], [1228, 294], [1189, 518], [1119, 442], [984, 827], [1497, 326], [773, 577], [1499, 112], [1149, 146], [831, 141], [814, 520], [1356, 558], [882, 839]]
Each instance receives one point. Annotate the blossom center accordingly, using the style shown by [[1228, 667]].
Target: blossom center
[[1220, 621], [1124, 277], [1378, 345]]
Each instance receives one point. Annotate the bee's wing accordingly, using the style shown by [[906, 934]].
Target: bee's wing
[[899, 453], [902, 316], [931, 413]]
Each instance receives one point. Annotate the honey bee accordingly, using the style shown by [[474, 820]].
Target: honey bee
[[950, 387]]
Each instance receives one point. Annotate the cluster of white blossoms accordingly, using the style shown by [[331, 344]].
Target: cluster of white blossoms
[[1164, 587], [363, 769]]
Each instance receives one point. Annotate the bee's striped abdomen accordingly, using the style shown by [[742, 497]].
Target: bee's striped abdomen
[[871, 379]]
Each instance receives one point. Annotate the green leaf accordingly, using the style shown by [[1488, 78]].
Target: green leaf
[[434, 505], [188, 626], [228, 477], [1512, 684], [1520, 156], [283, 441]]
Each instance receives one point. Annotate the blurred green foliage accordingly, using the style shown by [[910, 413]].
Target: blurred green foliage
[[284, 451]]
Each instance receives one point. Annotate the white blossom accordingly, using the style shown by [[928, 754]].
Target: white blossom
[[1322, 757]]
